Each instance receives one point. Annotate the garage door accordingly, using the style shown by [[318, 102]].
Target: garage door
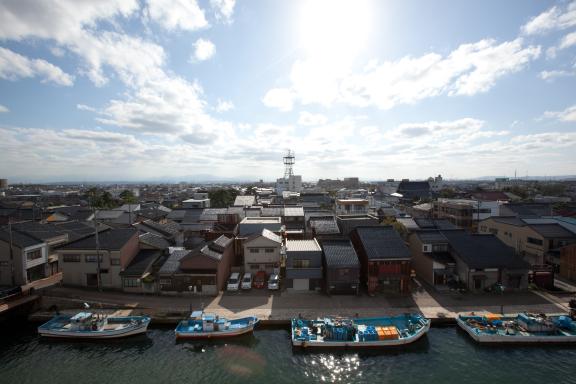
[[301, 284]]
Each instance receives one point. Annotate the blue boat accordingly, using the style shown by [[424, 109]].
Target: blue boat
[[523, 328], [339, 332], [202, 325], [87, 325]]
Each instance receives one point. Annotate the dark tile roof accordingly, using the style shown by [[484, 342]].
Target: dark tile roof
[[434, 224], [272, 212], [430, 237], [153, 240], [340, 253], [172, 264], [552, 231], [491, 196], [527, 209], [39, 231], [382, 242], [152, 213], [347, 223], [222, 242], [142, 262], [511, 220], [325, 226], [111, 239], [19, 239], [483, 251], [77, 229], [211, 214], [170, 229]]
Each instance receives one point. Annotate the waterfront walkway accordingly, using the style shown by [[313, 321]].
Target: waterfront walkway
[[284, 305]]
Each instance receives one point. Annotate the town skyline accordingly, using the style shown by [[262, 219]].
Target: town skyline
[[138, 90]]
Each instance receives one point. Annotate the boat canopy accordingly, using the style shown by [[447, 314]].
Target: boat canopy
[[81, 316]]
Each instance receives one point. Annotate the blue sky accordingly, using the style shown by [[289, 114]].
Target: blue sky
[[151, 89]]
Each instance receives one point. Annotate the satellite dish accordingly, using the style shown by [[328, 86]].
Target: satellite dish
[[86, 305]]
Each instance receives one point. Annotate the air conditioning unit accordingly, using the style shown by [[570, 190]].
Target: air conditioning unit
[[426, 248]]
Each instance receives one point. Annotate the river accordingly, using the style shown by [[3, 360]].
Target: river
[[446, 355]]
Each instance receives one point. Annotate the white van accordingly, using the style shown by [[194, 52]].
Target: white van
[[247, 281], [233, 282]]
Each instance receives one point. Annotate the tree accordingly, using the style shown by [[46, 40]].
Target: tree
[[128, 197], [100, 199], [222, 198], [251, 190]]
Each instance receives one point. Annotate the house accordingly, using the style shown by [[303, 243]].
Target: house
[[294, 219], [138, 276], [116, 249], [384, 259], [196, 203], [203, 270], [484, 260], [431, 258], [465, 213], [263, 252], [169, 230], [341, 267], [568, 262], [526, 210], [414, 190], [303, 265], [324, 228], [535, 240], [251, 225], [23, 258], [351, 206]]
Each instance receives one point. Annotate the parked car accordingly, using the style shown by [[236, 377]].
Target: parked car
[[233, 282], [274, 282], [260, 279], [247, 281]]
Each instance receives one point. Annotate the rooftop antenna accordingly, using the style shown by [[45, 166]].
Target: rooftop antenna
[[288, 164]]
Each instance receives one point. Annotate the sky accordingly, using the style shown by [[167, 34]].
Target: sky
[[130, 90]]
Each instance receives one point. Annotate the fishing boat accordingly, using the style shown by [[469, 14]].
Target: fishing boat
[[202, 325], [523, 328], [339, 332], [88, 325]]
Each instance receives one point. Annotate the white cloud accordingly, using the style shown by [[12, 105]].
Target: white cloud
[[555, 18], [204, 49], [567, 115], [14, 66], [177, 14], [307, 118], [279, 98], [551, 75], [465, 125], [223, 9], [3, 109], [468, 70], [568, 41], [84, 107], [224, 106]]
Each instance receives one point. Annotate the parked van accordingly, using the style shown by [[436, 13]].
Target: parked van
[[233, 282], [247, 281]]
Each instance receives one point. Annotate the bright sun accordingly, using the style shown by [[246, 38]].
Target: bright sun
[[335, 29]]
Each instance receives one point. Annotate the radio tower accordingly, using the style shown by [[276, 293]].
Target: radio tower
[[288, 163]]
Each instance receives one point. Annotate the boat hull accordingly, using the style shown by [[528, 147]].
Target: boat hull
[[198, 335], [130, 330], [352, 344], [484, 338]]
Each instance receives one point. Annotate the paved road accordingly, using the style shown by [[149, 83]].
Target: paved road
[[286, 305]]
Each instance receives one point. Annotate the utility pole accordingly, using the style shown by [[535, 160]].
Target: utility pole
[[98, 276], [12, 269]]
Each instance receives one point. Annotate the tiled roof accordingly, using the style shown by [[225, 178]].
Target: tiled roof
[[293, 211], [243, 201], [325, 226], [349, 222], [110, 239], [211, 214], [552, 231], [272, 236], [434, 224], [172, 264], [431, 237], [153, 240], [141, 263], [272, 212], [302, 246], [211, 253], [21, 240], [223, 241], [382, 242], [340, 253], [483, 251], [511, 220]]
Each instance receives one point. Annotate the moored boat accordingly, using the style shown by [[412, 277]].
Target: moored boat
[[202, 325], [523, 328], [87, 325], [338, 332]]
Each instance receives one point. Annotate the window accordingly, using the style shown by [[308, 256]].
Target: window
[[493, 231], [91, 258], [131, 283], [166, 283], [532, 240], [71, 258], [114, 261], [302, 263], [269, 250], [33, 255], [253, 250]]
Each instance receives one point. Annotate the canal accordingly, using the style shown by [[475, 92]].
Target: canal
[[446, 355]]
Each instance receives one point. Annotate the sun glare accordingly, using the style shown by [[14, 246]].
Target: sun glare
[[334, 29]]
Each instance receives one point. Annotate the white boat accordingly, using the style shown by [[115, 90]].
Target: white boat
[[523, 328], [87, 325], [202, 325], [337, 332]]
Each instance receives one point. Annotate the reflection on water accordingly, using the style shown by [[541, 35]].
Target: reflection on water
[[444, 356]]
